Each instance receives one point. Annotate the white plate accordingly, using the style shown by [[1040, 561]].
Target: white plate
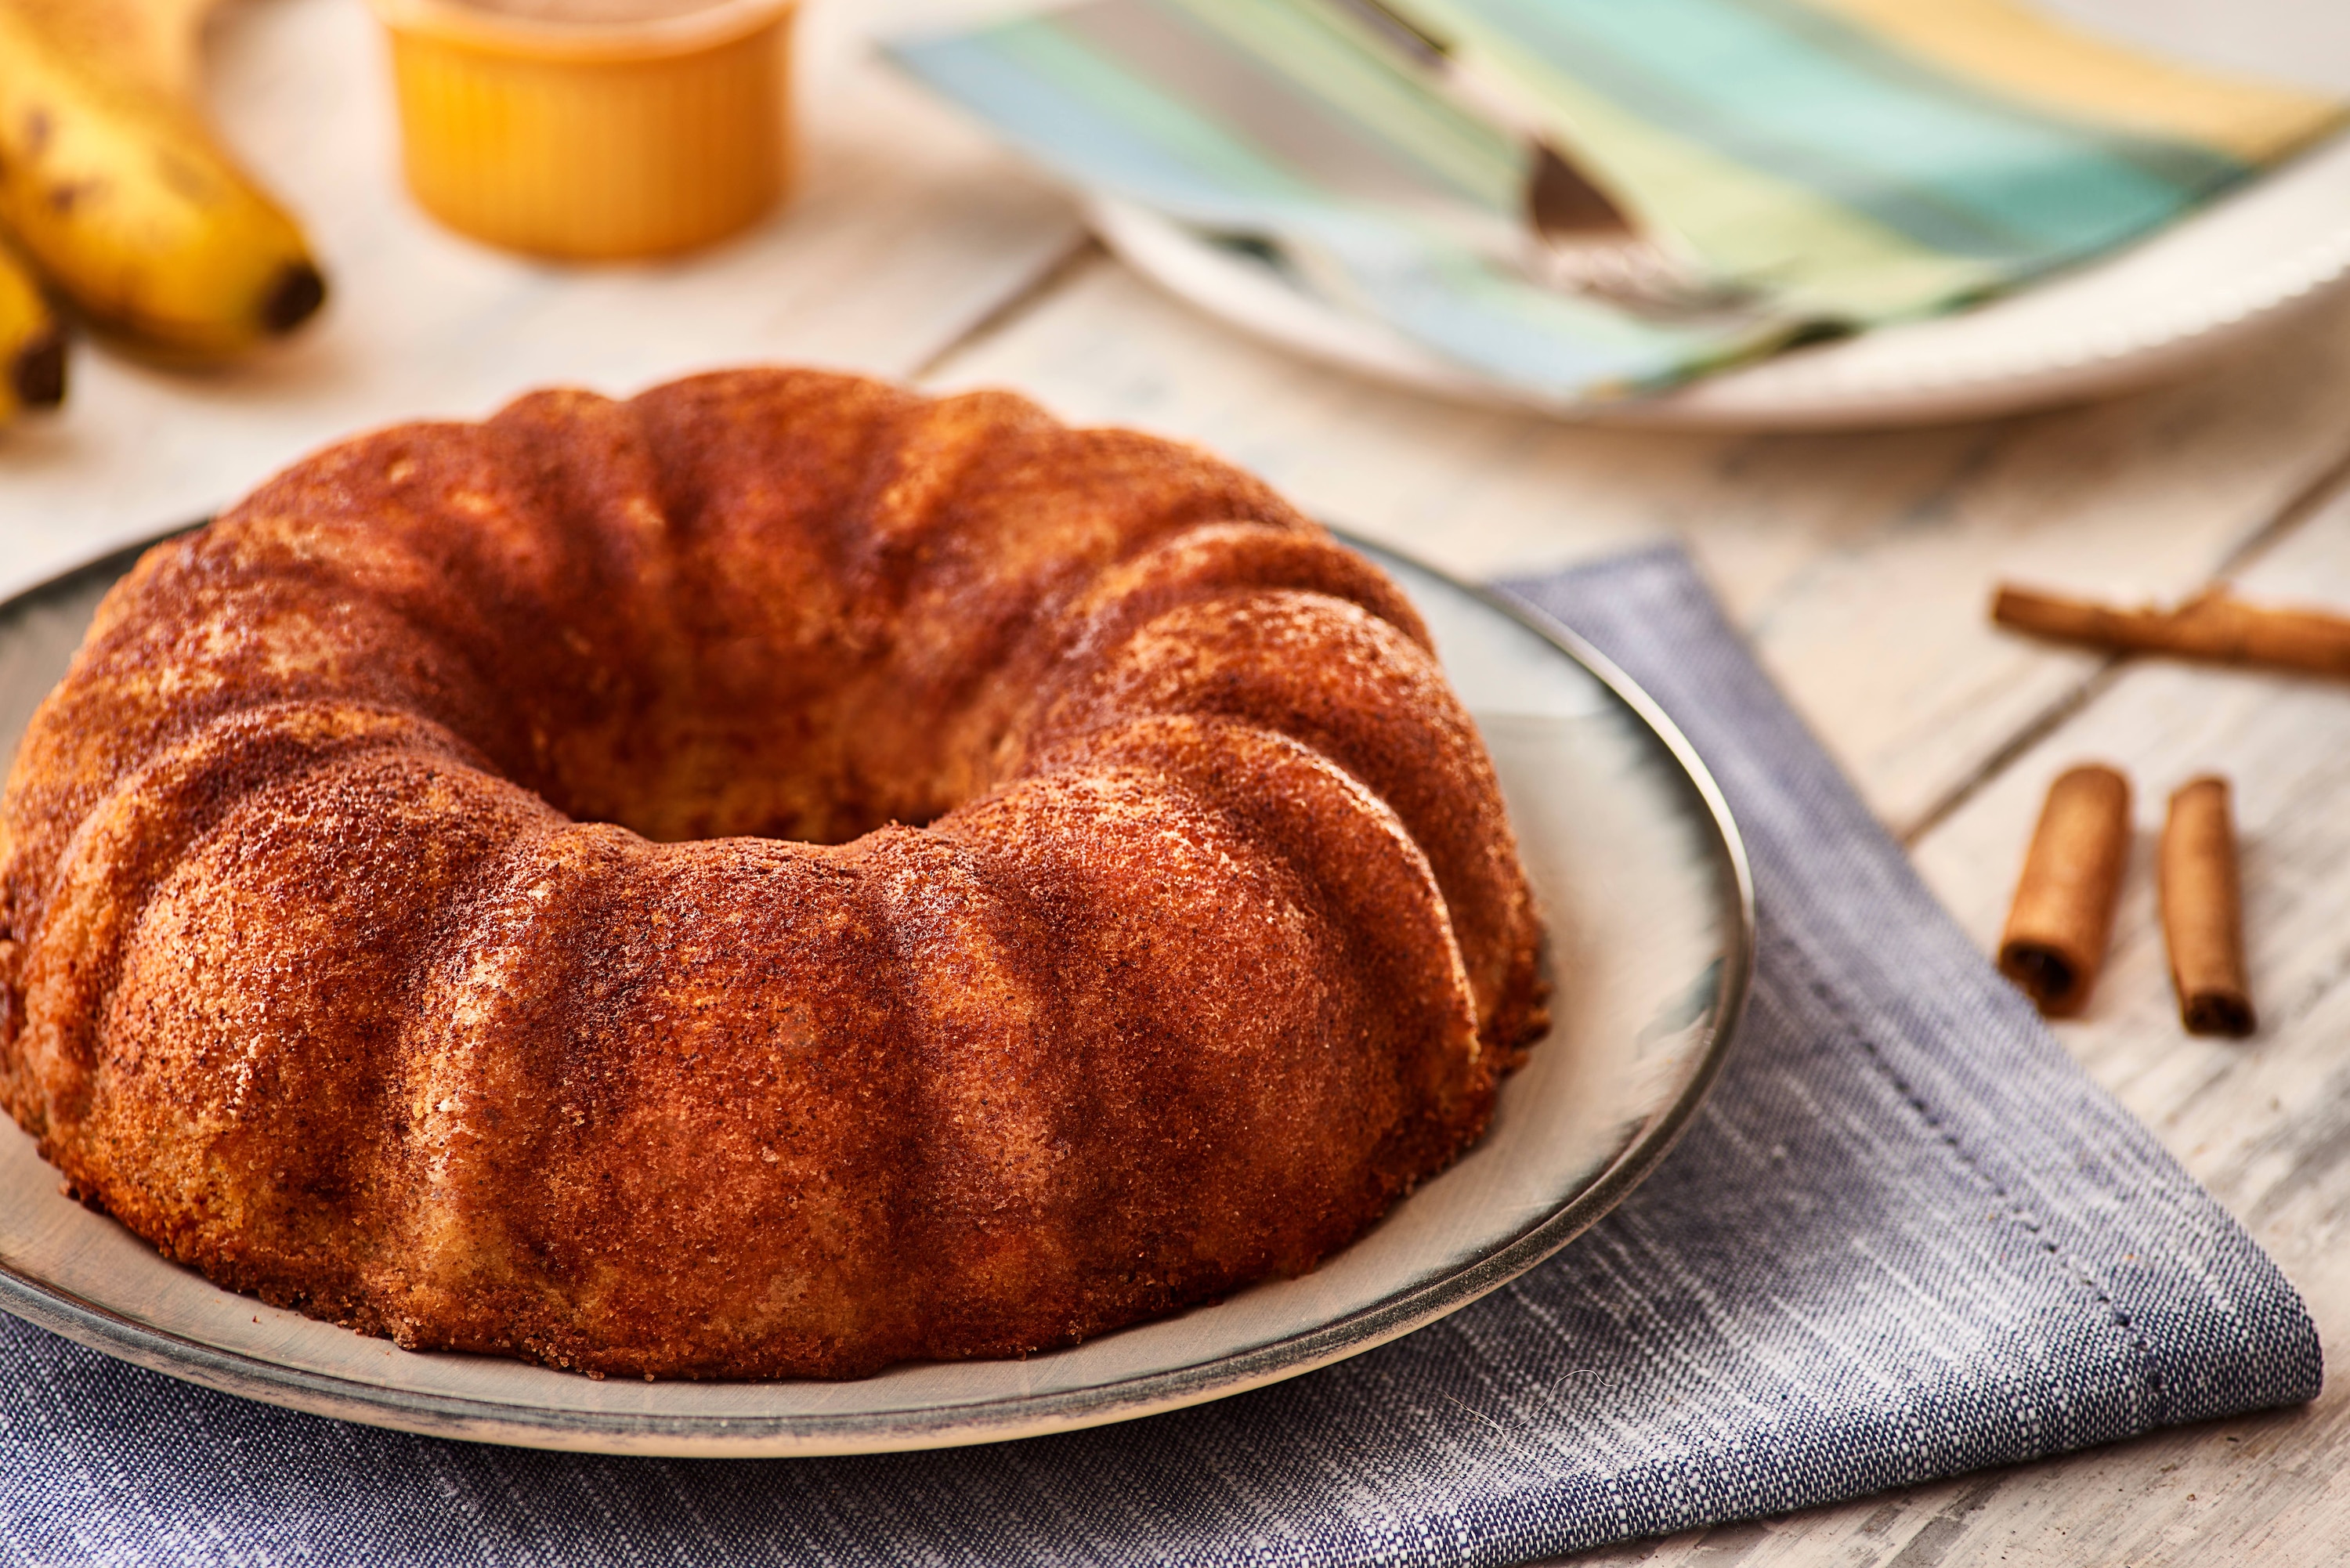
[[2246, 263], [1644, 885]]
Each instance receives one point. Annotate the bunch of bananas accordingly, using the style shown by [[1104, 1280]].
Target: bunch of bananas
[[115, 195]]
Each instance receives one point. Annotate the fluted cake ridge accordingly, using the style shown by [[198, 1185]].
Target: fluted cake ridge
[[771, 878]]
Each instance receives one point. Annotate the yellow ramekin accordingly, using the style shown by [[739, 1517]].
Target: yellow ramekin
[[594, 141]]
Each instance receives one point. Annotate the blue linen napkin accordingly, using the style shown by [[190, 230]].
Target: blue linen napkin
[[1905, 1237]]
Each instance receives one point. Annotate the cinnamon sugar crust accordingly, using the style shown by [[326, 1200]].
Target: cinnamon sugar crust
[[772, 877]]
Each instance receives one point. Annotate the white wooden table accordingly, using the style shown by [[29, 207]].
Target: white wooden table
[[1860, 566]]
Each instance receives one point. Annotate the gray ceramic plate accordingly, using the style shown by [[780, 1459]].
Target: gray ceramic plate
[[1644, 884]]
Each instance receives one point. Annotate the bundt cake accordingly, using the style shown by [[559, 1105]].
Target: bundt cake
[[773, 877]]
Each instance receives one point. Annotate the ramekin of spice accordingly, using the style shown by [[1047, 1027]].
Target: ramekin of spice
[[594, 129]]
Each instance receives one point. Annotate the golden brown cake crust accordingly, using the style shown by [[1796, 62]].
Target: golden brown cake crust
[[772, 877]]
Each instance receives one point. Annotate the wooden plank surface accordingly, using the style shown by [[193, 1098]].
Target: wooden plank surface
[[1858, 562], [910, 229]]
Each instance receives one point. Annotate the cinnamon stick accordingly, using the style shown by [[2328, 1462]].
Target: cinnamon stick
[[2202, 911], [2062, 914], [2212, 626]]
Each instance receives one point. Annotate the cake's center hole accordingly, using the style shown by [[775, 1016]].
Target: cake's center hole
[[821, 772]]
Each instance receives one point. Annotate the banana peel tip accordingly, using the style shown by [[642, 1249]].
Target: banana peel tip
[[294, 296], [37, 370]]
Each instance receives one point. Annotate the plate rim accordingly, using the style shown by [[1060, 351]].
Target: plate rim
[[995, 1419]]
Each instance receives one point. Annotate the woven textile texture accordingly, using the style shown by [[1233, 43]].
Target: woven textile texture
[[1905, 1237]]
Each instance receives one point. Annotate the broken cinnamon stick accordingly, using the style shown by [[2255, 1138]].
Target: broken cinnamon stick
[[2202, 911], [2211, 626], [2062, 914]]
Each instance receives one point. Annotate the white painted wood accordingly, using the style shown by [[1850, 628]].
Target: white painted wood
[[1860, 562], [2293, 42], [910, 228]]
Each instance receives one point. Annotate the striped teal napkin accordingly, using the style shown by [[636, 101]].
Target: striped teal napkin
[[1825, 165]]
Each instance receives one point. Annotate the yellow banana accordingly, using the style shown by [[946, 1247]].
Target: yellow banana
[[155, 43], [32, 347], [117, 193]]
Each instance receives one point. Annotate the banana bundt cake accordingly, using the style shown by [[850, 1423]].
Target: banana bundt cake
[[773, 877]]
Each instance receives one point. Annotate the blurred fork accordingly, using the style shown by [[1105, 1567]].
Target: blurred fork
[[1580, 241]]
